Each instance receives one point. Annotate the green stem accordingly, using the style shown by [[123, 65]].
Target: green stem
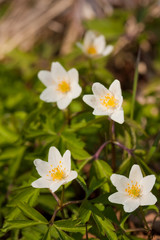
[[112, 137], [86, 232], [146, 224], [54, 215], [62, 200], [135, 81], [92, 71]]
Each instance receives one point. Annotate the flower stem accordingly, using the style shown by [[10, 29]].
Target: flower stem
[[62, 200], [135, 81], [149, 232], [56, 197], [112, 136], [54, 215], [86, 232]]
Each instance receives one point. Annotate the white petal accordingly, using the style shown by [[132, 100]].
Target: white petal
[[108, 50], [73, 75], [89, 38], [131, 204], [148, 199], [58, 72], [42, 167], [54, 157], [49, 94], [64, 102], [67, 160], [71, 176], [115, 89], [55, 185], [41, 183], [100, 112], [45, 77], [76, 91], [135, 173], [99, 90], [118, 197], [90, 100], [99, 43], [120, 182], [118, 116], [78, 44], [147, 183]]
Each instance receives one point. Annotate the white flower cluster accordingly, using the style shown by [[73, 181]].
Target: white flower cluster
[[62, 87]]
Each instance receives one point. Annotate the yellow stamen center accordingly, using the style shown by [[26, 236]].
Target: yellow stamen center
[[57, 173], [63, 87], [109, 101], [133, 190], [91, 50]]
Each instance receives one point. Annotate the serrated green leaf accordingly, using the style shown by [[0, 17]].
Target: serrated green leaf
[[75, 145], [28, 195], [31, 212], [84, 212], [81, 181], [18, 224], [70, 226], [105, 227]]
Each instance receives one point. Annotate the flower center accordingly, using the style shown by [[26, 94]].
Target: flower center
[[91, 50], [133, 190], [109, 101], [57, 173], [63, 87]]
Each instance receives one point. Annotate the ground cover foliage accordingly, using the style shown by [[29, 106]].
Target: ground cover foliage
[[29, 127]]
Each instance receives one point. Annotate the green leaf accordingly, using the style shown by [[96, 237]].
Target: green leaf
[[136, 126], [75, 145], [70, 226], [152, 207], [63, 235], [124, 219], [18, 224], [105, 227], [111, 27], [28, 195], [47, 235], [153, 148], [81, 181], [7, 136], [31, 213], [84, 212], [94, 184], [101, 170], [16, 164]]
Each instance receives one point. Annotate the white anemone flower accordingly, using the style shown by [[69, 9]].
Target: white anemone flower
[[61, 86], [55, 172], [95, 46], [106, 101], [134, 191]]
